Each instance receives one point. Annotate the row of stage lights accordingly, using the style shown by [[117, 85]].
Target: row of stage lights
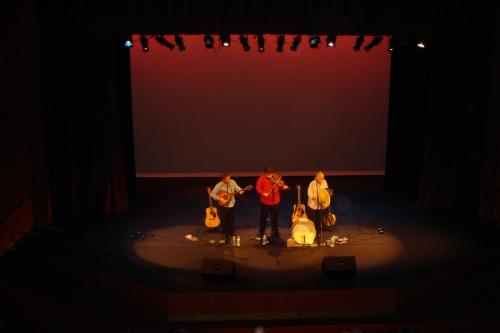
[[314, 42]]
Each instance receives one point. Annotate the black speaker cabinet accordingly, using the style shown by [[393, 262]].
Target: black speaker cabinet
[[217, 269], [341, 268]]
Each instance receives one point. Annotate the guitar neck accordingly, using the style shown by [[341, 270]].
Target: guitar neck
[[247, 188], [210, 197]]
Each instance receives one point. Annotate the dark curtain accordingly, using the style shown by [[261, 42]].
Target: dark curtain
[[87, 93], [443, 116], [408, 108], [459, 90], [489, 194]]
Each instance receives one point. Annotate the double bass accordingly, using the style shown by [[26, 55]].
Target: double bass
[[303, 230]]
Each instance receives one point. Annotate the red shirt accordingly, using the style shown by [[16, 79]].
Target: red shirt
[[264, 185]]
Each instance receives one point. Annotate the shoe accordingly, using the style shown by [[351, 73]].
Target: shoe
[[278, 241], [191, 238], [275, 236]]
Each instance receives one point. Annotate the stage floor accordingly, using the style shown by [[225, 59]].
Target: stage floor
[[150, 246]]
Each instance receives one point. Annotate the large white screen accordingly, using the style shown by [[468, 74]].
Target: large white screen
[[203, 112]]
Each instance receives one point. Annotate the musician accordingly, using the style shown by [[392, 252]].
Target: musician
[[226, 206], [269, 185], [316, 202]]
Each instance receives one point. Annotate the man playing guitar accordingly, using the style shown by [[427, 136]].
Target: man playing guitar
[[224, 192]]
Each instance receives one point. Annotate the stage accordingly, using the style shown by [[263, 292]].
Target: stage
[[417, 265], [151, 243]]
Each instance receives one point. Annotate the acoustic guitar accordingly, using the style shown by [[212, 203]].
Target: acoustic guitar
[[299, 210], [212, 219], [225, 197]]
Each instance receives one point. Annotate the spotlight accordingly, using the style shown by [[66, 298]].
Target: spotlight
[[393, 44], [331, 40], [314, 41], [128, 43], [359, 42], [260, 42], [244, 43], [161, 40], [179, 42], [144, 43], [209, 41], [281, 42], [225, 40], [375, 41], [295, 44]]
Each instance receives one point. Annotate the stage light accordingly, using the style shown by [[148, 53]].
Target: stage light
[[421, 44], [281, 42], [179, 42], [128, 43], [393, 43], [296, 42], [314, 41], [359, 42], [244, 43], [225, 40], [144, 43], [209, 41], [331, 40], [374, 42], [260, 42], [161, 40]]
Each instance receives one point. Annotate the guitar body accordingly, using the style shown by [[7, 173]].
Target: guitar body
[[212, 218], [299, 209], [299, 212], [226, 196]]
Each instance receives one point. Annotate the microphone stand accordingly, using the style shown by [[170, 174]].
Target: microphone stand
[[274, 184], [226, 212], [271, 211], [319, 214]]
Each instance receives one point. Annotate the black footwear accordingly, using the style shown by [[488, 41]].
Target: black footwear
[[227, 239], [278, 241]]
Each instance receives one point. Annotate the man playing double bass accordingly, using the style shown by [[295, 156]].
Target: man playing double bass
[[269, 185]]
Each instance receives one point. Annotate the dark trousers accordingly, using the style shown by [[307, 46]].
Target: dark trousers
[[317, 216], [265, 211], [226, 216]]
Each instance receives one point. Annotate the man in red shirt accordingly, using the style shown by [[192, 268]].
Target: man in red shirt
[[269, 186]]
